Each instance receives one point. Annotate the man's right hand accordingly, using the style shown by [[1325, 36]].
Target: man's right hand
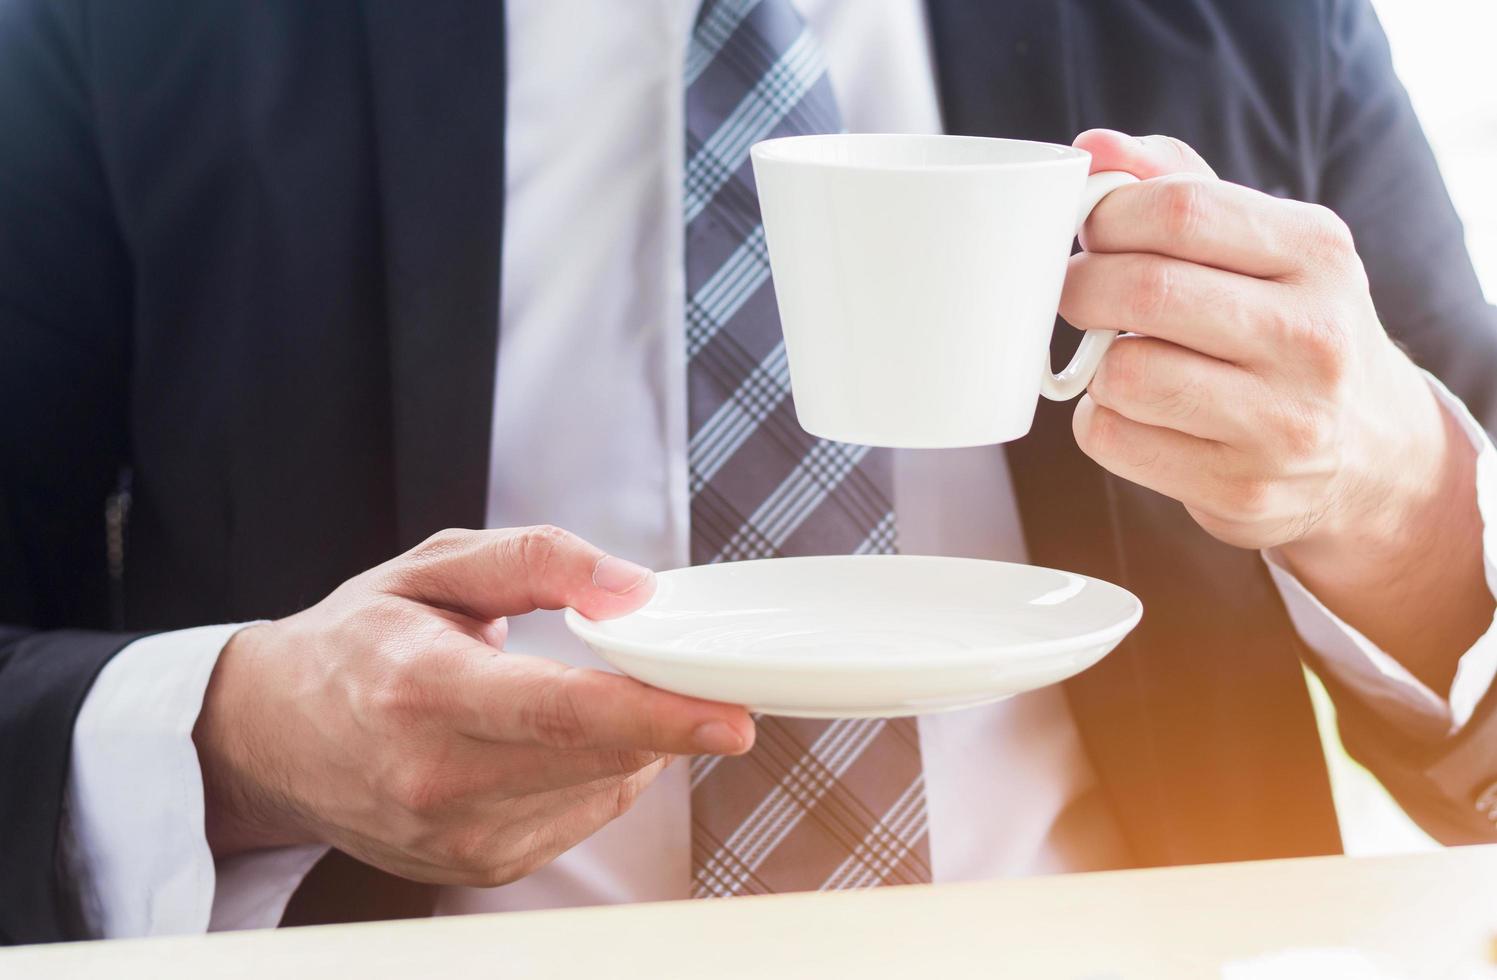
[[388, 722]]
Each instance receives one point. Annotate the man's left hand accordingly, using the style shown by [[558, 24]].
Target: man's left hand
[[1259, 388]]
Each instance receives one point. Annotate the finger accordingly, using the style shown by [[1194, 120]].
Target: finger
[[490, 632], [1142, 156], [1220, 314], [1164, 460], [546, 806], [1162, 384], [469, 778], [490, 574], [479, 769], [591, 813], [1211, 222], [517, 699], [508, 842]]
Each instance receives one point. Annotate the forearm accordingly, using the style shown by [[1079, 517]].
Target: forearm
[[1410, 575]]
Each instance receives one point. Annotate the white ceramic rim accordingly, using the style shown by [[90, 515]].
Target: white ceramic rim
[[593, 632], [781, 150]]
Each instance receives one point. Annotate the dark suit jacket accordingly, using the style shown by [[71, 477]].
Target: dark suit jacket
[[249, 269]]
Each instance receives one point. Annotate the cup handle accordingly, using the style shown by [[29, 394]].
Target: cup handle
[[1078, 374]]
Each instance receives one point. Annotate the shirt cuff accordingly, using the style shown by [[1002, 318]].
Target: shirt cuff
[[253, 888], [136, 846], [1370, 673]]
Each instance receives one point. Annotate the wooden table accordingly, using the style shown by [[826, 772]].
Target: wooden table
[[1416, 916]]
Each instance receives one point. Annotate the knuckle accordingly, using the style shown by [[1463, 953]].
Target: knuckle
[[503, 873], [401, 694], [1325, 348], [1096, 431], [476, 861], [1248, 498], [358, 624], [1167, 390], [1318, 342], [421, 790], [468, 849], [404, 571], [629, 760], [439, 544], [1327, 240], [1122, 373], [1283, 329], [1329, 236], [405, 671], [1183, 153], [1178, 402], [538, 547], [1175, 403], [482, 859], [1152, 289], [479, 877], [1182, 206], [623, 796], [533, 854], [1301, 432], [552, 713]]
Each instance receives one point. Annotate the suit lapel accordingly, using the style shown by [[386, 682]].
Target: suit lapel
[[436, 72]]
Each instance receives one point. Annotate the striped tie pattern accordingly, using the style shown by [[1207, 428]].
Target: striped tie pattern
[[816, 804]]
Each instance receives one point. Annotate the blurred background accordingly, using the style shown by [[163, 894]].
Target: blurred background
[[1443, 51]]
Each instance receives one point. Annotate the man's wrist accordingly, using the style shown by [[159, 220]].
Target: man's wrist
[[241, 811], [1401, 471], [1404, 547]]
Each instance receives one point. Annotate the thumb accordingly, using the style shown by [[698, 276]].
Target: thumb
[[1141, 156], [508, 572]]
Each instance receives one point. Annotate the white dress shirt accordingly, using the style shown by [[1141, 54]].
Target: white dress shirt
[[590, 434]]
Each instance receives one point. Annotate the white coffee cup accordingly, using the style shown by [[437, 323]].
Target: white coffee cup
[[918, 278]]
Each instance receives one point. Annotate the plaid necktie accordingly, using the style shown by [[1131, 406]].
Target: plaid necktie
[[816, 804]]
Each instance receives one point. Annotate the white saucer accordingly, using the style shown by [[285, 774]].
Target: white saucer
[[863, 636]]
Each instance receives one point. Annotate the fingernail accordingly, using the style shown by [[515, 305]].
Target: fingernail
[[618, 576], [717, 737]]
